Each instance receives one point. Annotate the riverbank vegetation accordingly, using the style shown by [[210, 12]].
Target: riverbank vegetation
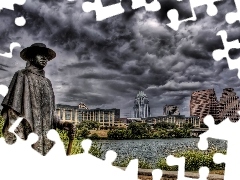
[[194, 158], [161, 130]]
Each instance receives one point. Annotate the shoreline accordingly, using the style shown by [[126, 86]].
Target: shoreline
[[146, 174]]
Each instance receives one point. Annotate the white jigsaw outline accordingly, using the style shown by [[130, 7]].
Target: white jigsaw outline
[[173, 14], [12, 46], [8, 4], [224, 53], [232, 158], [19, 21], [103, 13]]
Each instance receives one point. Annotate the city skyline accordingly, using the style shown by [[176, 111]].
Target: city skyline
[[202, 98], [104, 64]]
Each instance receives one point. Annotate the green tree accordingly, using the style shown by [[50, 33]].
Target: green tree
[[117, 134], [164, 125], [82, 133], [94, 136], [188, 126], [139, 130]]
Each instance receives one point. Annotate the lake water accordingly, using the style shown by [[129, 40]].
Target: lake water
[[152, 149]]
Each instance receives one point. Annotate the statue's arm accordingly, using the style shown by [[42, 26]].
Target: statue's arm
[[63, 125]]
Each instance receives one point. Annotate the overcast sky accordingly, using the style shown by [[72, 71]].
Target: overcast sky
[[104, 64]]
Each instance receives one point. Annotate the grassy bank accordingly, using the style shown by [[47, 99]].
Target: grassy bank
[[194, 159]]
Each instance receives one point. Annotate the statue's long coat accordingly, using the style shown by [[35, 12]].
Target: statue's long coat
[[31, 96]]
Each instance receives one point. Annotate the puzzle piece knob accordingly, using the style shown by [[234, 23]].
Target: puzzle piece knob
[[209, 121], [231, 18], [32, 138], [53, 135], [3, 90], [203, 173], [212, 10], [172, 161], [218, 54], [88, 6], [110, 156], [203, 144], [219, 158], [157, 174], [86, 145]]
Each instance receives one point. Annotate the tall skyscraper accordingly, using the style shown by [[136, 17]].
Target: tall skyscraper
[[229, 105], [203, 103], [141, 106]]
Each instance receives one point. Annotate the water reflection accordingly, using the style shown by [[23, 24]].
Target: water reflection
[[152, 149]]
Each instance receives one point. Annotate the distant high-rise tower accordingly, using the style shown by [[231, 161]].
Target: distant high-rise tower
[[229, 105], [141, 106], [169, 110], [82, 106], [204, 103]]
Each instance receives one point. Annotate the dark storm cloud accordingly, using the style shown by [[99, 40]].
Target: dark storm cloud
[[106, 63]]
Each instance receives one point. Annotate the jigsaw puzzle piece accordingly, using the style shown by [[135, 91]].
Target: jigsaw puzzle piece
[[3, 90], [226, 130], [102, 12], [232, 17], [58, 149], [216, 131], [157, 174], [153, 6], [20, 21], [224, 53], [110, 157], [12, 46], [103, 169], [219, 158], [8, 4], [173, 14], [180, 162]]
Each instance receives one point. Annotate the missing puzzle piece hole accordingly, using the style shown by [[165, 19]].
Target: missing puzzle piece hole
[[53, 135], [86, 145], [234, 53], [110, 156], [203, 172], [20, 21], [157, 174], [32, 138], [3, 90], [203, 145], [219, 158]]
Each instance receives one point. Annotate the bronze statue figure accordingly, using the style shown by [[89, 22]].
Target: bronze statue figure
[[31, 96]]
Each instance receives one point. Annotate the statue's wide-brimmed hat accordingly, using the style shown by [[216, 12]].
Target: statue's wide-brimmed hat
[[37, 48]]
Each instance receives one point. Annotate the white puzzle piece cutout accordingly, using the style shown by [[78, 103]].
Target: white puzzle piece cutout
[[12, 46], [180, 162], [224, 53], [102, 13], [173, 14], [232, 17], [228, 131]]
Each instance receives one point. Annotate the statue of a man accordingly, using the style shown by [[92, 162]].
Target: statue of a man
[[31, 96]]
